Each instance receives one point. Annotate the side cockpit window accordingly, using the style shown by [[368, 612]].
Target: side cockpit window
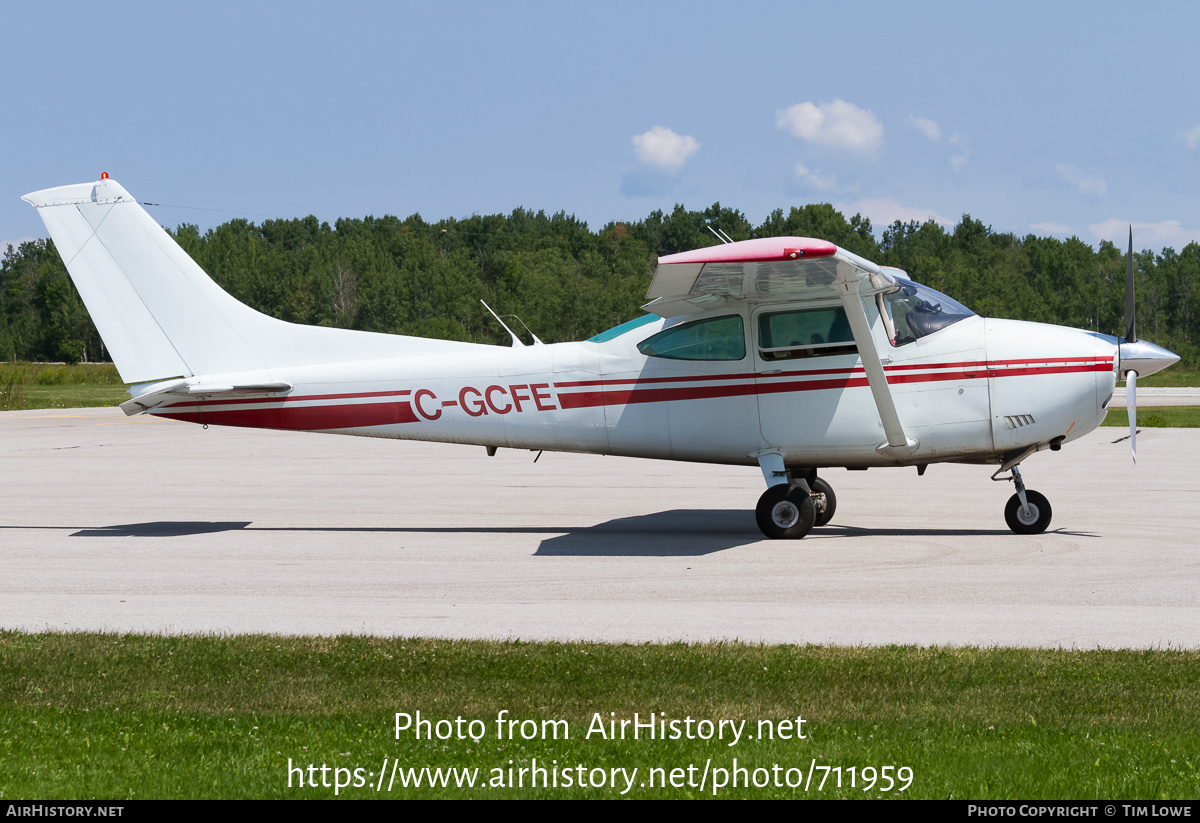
[[787, 335], [714, 338]]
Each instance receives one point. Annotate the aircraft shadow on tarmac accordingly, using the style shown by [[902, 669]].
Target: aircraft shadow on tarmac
[[685, 533], [163, 528], [675, 533], [680, 532]]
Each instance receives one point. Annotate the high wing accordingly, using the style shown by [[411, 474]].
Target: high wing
[[768, 270], [786, 269]]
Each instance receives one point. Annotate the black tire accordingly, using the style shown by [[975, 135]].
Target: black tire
[[1038, 519], [820, 487], [785, 512]]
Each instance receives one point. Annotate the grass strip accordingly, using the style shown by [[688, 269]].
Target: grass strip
[[59, 386], [124, 716], [1180, 375], [1155, 417]]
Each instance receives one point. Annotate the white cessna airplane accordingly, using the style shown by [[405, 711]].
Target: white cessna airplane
[[788, 353]]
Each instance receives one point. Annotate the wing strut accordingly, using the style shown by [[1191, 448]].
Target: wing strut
[[897, 444]]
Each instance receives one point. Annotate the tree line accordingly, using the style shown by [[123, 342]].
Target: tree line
[[567, 282]]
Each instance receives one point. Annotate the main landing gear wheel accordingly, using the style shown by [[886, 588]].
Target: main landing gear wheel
[[1033, 520], [785, 512], [824, 500]]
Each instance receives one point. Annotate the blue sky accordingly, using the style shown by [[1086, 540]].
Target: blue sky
[[1045, 118]]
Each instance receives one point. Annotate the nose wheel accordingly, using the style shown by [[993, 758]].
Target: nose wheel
[[1027, 511], [1031, 518]]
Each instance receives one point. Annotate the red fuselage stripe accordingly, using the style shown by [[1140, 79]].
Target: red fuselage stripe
[[304, 418], [628, 396], [968, 369]]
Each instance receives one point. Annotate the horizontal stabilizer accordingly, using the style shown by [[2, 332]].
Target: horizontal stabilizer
[[156, 394]]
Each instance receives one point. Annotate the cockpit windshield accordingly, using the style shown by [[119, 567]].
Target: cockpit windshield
[[915, 311]]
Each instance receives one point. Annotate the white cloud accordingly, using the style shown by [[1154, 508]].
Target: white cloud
[[836, 124], [959, 161], [1087, 185], [825, 182], [885, 211], [663, 149], [927, 127], [1192, 137], [1146, 235]]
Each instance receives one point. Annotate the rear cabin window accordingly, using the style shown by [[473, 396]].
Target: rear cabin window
[[788, 335], [715, 338]]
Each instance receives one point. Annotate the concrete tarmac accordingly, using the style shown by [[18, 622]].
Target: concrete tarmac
[[1148, 398], [145, 525]]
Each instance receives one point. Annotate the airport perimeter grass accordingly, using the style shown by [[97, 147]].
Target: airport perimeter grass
[[1155, 417], [59, 386], [1181, 375], [122, 716]]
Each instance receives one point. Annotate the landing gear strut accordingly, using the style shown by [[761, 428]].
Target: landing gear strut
[[824, 499], [1027, 511]]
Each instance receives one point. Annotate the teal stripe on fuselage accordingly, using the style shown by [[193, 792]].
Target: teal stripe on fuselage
[[617, 331]]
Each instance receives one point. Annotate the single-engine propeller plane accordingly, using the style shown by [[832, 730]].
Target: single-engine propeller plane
[[789, 353]]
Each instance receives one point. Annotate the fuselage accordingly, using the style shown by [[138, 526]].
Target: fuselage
[[970, 391]]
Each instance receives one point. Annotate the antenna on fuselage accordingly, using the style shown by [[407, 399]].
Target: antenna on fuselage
[[516, 340], [536, 341], [720, 235]]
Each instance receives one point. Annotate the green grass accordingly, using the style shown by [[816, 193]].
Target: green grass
[[60, 374], [1156, 417], [109, 716], [1178, 376], [59, 386], [73, 397]]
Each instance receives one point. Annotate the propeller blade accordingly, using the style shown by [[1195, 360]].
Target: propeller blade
[[1130, 337], [1131, 405], [1130, 296]]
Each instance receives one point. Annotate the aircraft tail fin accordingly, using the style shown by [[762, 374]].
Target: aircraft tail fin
[[161, 316]]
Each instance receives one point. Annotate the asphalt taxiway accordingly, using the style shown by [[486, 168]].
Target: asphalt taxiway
[[146, 525]]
